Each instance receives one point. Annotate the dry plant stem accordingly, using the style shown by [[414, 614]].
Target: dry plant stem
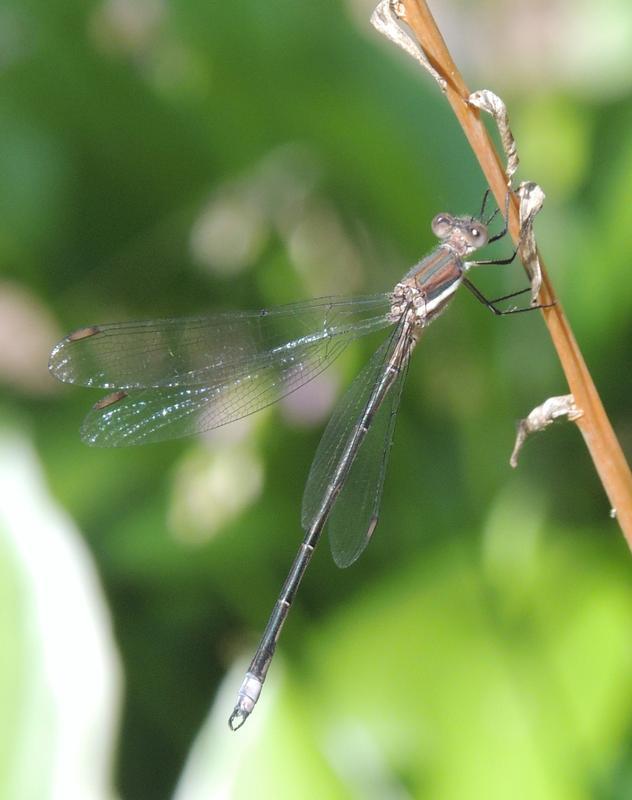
[[595, 426]]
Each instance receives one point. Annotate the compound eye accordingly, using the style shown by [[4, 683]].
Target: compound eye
[[442, 225], [477, 235]]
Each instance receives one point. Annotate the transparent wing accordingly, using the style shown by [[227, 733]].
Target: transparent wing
[[211, 350], [235, 387], [154, 415], [354, 514]]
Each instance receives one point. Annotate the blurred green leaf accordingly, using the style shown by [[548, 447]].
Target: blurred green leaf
[[59, 683]]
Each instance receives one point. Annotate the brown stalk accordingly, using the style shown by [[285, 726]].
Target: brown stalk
[[594, 425]]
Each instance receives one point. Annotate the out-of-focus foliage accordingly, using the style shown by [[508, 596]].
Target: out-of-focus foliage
[[168, 158]]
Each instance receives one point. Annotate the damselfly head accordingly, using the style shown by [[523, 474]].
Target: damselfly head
[[462, 234]]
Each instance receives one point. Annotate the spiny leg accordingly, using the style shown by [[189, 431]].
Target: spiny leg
[[484, 203], [509, 296], [487, 261], [498, 311], [502, 232]]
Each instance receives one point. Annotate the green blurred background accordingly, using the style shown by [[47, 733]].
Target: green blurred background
[[162, 159]]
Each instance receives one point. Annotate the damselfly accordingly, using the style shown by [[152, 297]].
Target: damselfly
[[176, 377]]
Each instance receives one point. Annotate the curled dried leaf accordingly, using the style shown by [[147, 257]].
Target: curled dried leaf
[[541, 417]]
